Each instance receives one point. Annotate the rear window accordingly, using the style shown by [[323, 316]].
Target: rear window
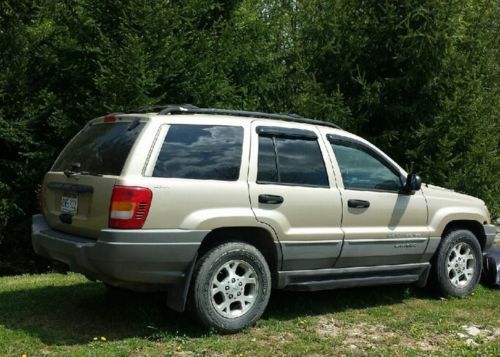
[[100, 148], [291, 161], [202, 152]]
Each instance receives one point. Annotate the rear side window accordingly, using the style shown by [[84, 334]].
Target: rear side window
[[202, 152], [100, 148], [291, 161], [267, 171]]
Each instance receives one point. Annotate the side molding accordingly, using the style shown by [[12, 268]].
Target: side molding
[[320, 279], [319, 254], [431, 248]]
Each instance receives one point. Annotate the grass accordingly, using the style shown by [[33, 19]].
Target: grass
[[55, 314]]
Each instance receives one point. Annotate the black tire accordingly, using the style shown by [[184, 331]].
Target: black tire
[[232, 289], [459, 251], [115, 290]]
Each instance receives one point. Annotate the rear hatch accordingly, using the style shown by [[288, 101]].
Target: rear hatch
[[77, 190]]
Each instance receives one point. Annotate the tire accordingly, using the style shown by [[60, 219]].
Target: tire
[[231, 288], [114, 290], [458, 263]]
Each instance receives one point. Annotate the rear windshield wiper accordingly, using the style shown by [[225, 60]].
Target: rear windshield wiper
[[90, 173], [133, 124], [71, 173]]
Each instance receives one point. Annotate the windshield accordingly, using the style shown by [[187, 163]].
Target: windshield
[[101, 148]]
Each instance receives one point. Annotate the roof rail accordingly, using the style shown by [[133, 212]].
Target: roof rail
[[190, 109], [157, 108]]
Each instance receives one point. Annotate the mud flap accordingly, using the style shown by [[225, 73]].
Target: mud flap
[[177, 296], [491, 267]]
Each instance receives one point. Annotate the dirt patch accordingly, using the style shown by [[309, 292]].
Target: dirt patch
[[328, 327], [365, 336], [473, 331]]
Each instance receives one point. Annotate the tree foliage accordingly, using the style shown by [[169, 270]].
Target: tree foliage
[[419, 78]]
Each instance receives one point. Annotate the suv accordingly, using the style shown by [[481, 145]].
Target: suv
[[217, 207]]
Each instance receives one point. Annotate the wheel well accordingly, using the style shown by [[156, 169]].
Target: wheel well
[[473, 226], [260, 238]]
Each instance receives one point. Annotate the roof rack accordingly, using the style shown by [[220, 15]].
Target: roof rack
[[158, 108], [191, 109]]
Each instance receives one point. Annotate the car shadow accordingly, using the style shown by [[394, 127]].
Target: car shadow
[[285, 305], [76, 314]]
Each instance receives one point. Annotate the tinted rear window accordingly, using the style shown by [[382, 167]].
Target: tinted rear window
[[300, 162], [291, 161], [203, 152], [101, 148], [267, 170]]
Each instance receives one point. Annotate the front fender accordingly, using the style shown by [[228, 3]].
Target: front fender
[[442, 217]]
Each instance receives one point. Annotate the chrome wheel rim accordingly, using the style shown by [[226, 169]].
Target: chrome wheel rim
[[234, 289], [461, 265]]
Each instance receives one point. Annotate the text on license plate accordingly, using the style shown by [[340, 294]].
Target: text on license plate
[[69, 204]]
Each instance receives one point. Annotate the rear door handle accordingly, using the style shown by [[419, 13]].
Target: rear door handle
[[358, 204], [270, 199]]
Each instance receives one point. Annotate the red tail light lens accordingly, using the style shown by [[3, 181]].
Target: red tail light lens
[[129, 207], [109, 118]]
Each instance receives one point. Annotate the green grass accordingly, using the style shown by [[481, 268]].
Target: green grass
[[56, 314]]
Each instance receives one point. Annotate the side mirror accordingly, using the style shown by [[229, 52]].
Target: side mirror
[[413, 184]]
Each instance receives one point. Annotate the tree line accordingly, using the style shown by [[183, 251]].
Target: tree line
[[420, 79]]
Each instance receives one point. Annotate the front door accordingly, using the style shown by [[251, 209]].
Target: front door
[[293, 191], [382, 226]]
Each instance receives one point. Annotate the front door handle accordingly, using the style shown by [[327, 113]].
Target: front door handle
[[270, 199], [358, 204]]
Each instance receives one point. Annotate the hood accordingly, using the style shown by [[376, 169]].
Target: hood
[[460, 205], [447, 194]]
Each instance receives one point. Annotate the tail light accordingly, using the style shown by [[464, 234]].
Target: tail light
[[109, 118], [129, 207]]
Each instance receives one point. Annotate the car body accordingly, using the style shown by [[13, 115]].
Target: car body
[[146, 200]]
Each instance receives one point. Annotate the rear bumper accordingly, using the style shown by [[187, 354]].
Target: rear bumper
[[490, 231], [140, 259]]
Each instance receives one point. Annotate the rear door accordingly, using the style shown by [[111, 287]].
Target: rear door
[[294, 192], [78, 188]]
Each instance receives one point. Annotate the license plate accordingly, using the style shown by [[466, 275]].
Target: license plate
[[69, 204]]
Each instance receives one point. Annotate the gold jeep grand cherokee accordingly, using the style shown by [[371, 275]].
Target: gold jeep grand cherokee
[[217, 207]]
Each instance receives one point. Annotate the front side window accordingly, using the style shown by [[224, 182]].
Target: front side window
[[291, 161], [362, 169], [203, 152]]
